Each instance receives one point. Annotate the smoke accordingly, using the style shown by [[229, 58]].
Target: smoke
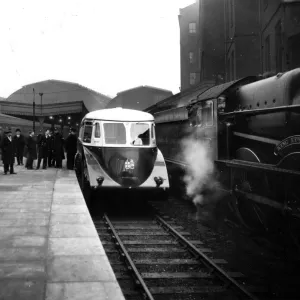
[[200, 177]]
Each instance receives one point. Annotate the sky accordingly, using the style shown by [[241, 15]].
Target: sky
[[105, 45]]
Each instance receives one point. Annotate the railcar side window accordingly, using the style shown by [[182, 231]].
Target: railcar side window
[[87, 134], [97, 130], [140, 134], [114, 133]]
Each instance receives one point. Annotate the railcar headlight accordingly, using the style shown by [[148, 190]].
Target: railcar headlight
[[158, 181], [100, 180]]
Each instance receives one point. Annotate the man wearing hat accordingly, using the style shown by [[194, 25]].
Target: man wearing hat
[[31, 153], [8, 152], [71, 148]]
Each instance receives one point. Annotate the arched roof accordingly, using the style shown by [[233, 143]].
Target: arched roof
[[57, 91]]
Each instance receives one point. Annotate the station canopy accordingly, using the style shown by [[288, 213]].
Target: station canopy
[[58, 93]]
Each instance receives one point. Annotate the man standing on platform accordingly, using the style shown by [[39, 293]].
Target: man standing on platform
[[19, 143], [43, 145], [71, 148], [51, 161], [58, 145], [8, 152], [31, 153]]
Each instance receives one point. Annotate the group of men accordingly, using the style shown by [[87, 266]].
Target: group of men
[[48, 147]]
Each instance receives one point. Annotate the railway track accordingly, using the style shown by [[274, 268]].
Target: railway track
[[154, 259]]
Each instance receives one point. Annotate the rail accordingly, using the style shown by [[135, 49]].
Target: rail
[[147, 294], [206, 260]]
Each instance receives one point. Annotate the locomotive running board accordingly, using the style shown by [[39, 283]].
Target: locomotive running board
[[257, 166]]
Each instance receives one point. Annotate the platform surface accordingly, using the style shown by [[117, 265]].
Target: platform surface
[[49, 247]]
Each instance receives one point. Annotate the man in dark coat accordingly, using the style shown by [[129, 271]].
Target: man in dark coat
[[19, 143], [43, 146], [58, 146], [31, 150], [71, 148], [51, 161], [8, 152]]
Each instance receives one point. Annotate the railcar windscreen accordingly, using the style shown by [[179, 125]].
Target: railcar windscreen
[[115, 133], [140, 134]]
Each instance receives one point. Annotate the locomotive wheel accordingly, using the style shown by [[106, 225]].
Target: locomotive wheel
[[251, 215]]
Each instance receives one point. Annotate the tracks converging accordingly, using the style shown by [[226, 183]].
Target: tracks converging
[[158, 261]]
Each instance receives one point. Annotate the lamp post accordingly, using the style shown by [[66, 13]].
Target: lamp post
[[33, 108], [41, 94]]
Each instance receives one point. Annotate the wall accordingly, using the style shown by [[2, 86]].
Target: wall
[[242, 38], [211, 40], [188, 43]]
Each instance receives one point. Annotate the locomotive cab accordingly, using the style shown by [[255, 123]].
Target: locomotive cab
[[117, 149]]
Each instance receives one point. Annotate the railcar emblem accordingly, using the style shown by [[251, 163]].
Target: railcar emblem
[[129, 164]]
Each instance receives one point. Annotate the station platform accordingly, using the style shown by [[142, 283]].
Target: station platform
[[49, 247]]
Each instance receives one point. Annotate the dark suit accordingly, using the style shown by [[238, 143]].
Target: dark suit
[[8, 156], [58, 144], [19, 143], [51, 161], [31, 152], [43, 145], [71, 149]]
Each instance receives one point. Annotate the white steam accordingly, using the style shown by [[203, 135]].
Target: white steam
[[200, 180]]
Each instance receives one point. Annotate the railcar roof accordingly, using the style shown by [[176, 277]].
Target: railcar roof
[[119, 114]]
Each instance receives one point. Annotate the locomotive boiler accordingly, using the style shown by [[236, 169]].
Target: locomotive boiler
[[117, 150], [253, 128]]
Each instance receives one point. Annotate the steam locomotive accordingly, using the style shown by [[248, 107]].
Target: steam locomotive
[[117, 150], [252, 127]]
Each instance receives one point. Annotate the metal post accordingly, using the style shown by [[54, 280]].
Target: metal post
[[41, 94], [33, 107]]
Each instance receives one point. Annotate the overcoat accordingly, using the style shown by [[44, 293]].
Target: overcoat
[[19, 144], [71, 144], [43, 146], [58, 146], [31, 147], [8, 151]]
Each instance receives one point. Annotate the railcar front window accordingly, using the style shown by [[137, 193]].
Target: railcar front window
[[115, 133], [87, 134], [140, 134]]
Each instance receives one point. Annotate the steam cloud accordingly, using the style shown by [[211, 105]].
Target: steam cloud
[[201, 183]]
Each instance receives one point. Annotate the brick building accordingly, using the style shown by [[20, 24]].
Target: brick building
[[211, 40], [237, 38], [189, 53], [242, 38], [280, 35]]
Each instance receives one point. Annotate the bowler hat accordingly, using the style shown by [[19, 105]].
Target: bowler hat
[[7, 130]]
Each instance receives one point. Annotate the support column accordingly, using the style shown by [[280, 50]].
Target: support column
[[41, 120]]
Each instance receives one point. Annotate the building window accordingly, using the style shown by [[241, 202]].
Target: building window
[[192, 78], [278, 47], [191, 57], [192, 27], [267, 54]]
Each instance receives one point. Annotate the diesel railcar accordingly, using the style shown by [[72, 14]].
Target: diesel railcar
[[117, 150], [253, 128]]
